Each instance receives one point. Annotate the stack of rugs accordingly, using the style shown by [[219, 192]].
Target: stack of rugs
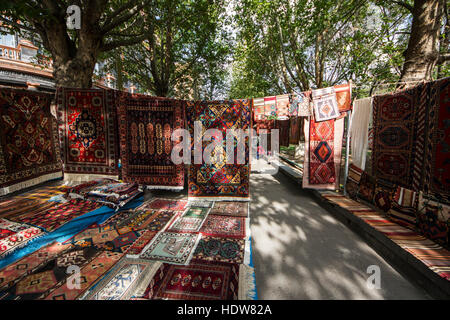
[[163, 249]]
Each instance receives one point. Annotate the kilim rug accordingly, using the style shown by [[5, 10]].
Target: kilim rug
[[122, 242], [304, 104], [14, 272], [437, 141], [29, 151], [258, 109], [94, 236], [295, 127], [164, 204], [136, 248], [24, 208], [397, 119], [226, 227], [270, 107], [62, 213], [230, 208], [127, 278], [283, 127], [201, 281], [88, 133], [146, 125], [220, 249], [172, 247], [89, 274], [49, 275], [428, 252], [17, 240], [283, 107], [267, 125], [343, 97], [322, 162], [190, 221], [220, 180], [325, 104], [201, 203], [153, 220]]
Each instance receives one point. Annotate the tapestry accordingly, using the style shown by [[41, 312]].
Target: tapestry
[[62, 213], [404, 208], [304, 104], [435, 257], [437, 141], [88, 133], [224, 226], [295, 125], [171, 247], [14, 272], [89, 274], [258, 109], [49, 275], [293, 105], [202, 281], [230, 208], [366, 188], [220, 180], [359, 131], [220, 249], [17, 240], [29, 150], [283, 134], [383, 194], [136, 248], [164, 204], [431, 226], [325, 104], [270, 107], [127, 278], [190, 221], [343, 97], [282, 107], [397, 119], [145, 126], [153, 220], [322, 161], [267, 125]]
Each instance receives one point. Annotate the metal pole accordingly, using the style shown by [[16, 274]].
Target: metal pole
[[347, 144]]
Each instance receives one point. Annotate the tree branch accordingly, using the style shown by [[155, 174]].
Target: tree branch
[[119, 43]]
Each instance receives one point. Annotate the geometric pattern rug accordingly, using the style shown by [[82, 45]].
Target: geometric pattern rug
[[146, 125], [29, 151], [219, 180], [322, 161], [88, 133], [428, 252]]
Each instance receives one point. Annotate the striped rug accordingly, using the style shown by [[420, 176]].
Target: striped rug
[[428, 252]]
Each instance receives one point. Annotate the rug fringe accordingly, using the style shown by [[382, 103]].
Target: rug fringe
[[247, 251], [138, 290], [247, 285], [70, 178], [169, 188], [30, 183]]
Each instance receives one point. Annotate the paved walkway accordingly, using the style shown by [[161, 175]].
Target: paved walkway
[[300, 251]]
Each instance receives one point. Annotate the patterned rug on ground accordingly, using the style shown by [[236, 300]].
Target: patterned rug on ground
[[146, 125], [164, 204], [230, 208], [219, 180], [172, 247], [322, 161], [29, 151], [88, 133], [190, 221], [224, 226], [220, 249], [129, 277], [18, 239], [428, 252]]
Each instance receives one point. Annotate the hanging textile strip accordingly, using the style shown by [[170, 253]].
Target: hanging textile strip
[[88, 133], [362, 112], [258, 109], [29, 150], [270, 106], [219, 180], [293, 105], [343, 97], [321, 169], [325, 104], [282, 107], [398, 121], [146, 125], [295, 129], [283, 127], [437, 141], [304, 104]]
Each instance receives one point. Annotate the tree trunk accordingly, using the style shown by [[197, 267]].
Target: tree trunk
[[422, 53], [73, 73]]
